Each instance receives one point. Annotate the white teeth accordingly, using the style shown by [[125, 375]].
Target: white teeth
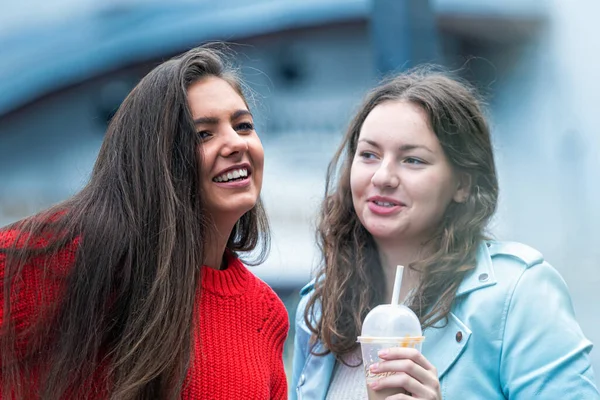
[[235, 174], [384, 203]]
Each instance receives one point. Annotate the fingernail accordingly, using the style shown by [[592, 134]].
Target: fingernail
[[374, 367], [373, 384], [382, 353]]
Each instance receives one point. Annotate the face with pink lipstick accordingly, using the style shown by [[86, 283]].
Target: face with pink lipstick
[[231, 152], [401, 180]]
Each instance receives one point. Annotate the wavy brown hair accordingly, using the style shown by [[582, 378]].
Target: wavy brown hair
[[123, 324], [350, 281]]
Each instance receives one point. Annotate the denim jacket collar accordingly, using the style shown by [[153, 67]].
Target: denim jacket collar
[[482, 275]]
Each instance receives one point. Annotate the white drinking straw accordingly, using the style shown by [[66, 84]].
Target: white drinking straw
[[397, 285]]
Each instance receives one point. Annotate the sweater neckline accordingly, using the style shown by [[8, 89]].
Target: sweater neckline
[[230, 281]]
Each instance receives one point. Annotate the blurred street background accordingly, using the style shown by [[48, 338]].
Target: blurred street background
[[66, 65]]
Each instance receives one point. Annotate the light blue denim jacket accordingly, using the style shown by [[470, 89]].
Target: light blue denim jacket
[[512, 334]]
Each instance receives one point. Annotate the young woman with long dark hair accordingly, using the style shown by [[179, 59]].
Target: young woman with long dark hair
[[132, 288]]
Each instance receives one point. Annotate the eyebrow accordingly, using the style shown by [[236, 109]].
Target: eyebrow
[[215, 121], [403, 148]]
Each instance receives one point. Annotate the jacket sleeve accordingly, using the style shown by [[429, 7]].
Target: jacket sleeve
[[301, 339], [544, 352]]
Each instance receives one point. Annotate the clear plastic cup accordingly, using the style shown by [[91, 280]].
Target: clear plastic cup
[[386, 326]]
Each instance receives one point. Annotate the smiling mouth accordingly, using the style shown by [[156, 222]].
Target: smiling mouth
[[385, 203], [233, 175]]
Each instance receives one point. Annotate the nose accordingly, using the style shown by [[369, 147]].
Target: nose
[[386, 176], [233, 143]]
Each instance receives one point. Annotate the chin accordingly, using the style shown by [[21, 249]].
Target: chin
[[242, 207], [380, 233], [383, 232], [385, 238]]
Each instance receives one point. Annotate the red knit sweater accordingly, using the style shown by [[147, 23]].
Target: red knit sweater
[[238, 347], [242, 329]]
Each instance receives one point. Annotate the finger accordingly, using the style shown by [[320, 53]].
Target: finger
[[404, 381], [400, 396], [395, 353], [407, 366]]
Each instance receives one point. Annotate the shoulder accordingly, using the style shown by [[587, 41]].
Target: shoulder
[[512, 271], [510, 280], [302, 332], [11, 236], [267, 292], [262, 305], [511, 261], [305, 295], [514, 252], [501, 267], [41, 274], [309, 287], [524, 264], [18, 234], [38, 250], [271, 302]]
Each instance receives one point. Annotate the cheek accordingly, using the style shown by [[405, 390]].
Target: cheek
[[435, 190], [360, 180], [207, 154], [257, 154], [202, 158], [357, 185]]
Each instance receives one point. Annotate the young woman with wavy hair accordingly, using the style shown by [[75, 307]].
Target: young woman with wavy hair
[[414, 183], [132, 288]]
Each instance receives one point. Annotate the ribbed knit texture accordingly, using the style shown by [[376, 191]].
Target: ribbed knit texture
[[238, 346]]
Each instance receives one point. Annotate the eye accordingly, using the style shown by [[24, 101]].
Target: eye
[[245, 127], [204, 134], [367, 155], [414, 161]]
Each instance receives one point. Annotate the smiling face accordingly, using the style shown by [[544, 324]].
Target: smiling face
[[400, 178], [231, 152]]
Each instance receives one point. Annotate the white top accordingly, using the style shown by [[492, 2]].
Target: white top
[[348, 383]]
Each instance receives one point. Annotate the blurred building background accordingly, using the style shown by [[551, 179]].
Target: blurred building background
[[66, 65]]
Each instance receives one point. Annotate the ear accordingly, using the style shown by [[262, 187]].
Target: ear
[[463, 187]]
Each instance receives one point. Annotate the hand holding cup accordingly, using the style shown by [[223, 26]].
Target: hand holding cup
[[408, 369]]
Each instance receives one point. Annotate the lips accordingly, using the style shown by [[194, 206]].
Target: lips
[[384, 206], [238, 172], [383, 201]]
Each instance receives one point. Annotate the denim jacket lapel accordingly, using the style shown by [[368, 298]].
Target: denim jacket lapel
[[444, 344]]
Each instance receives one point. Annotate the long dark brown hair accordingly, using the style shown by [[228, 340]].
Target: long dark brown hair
[[350, 281], [123, 324]]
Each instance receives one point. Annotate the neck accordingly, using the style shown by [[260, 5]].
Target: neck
[[396, 253], [215, 248]]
